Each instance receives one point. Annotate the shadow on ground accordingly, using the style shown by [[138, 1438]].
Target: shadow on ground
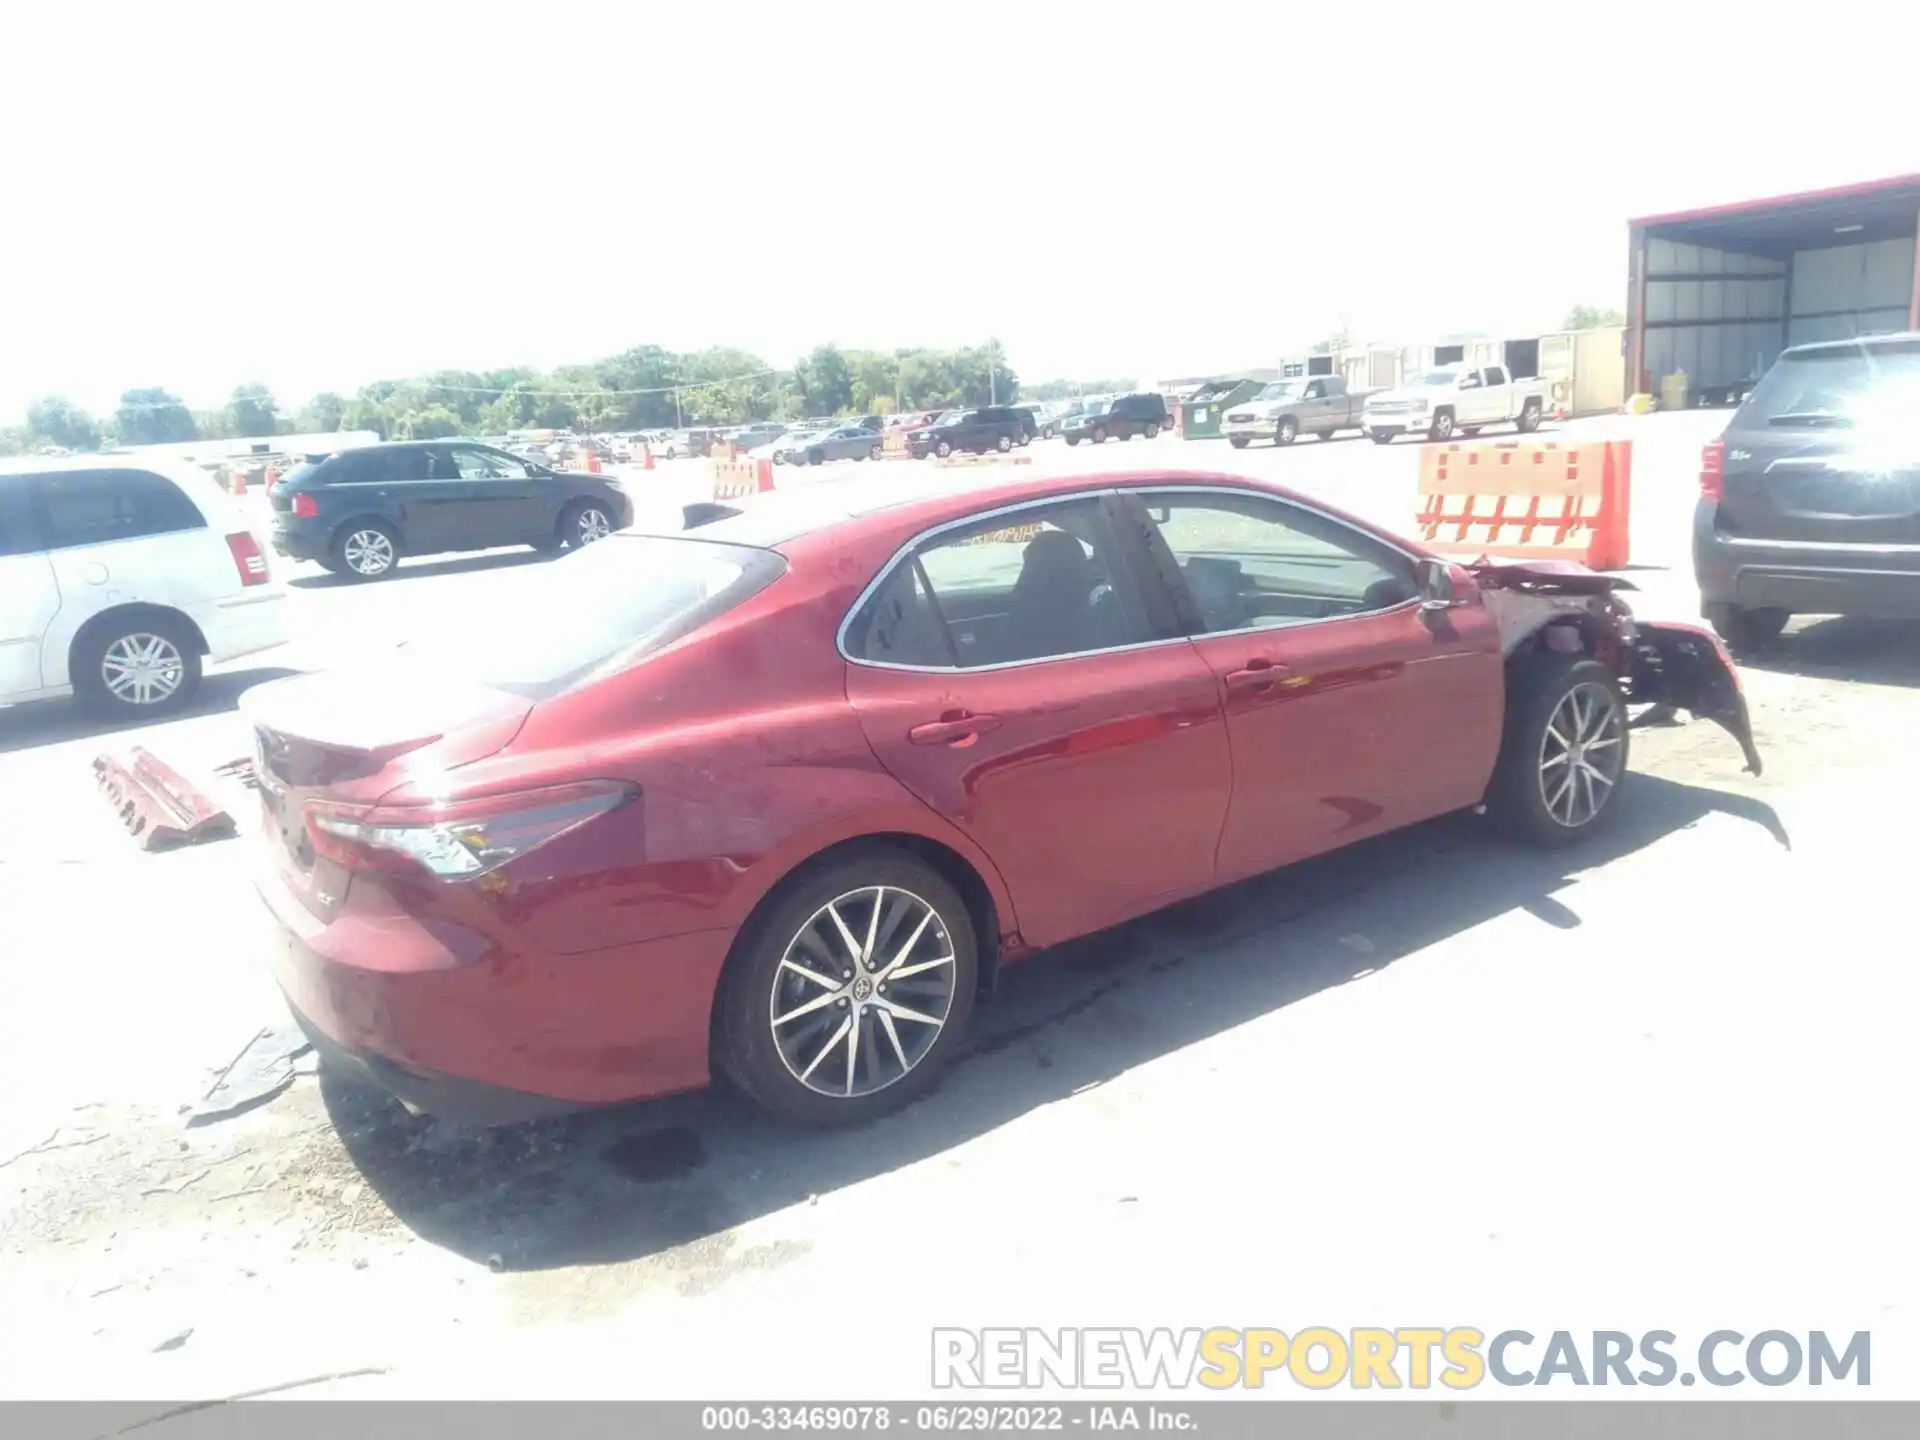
[[1874, 652], [53, 722], [625, 1183], [426, 569]]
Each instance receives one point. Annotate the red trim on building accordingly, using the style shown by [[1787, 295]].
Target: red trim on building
[[1748, 207]]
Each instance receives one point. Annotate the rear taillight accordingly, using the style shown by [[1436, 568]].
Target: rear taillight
[[1713, 470], [304, 506], [248, 559], [456, 840]]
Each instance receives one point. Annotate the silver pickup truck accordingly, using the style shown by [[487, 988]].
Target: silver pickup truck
[[1312, 405]]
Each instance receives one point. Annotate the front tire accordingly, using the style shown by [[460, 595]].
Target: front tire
[[874, 452], [1441, 427], [1003, 444], [582, 523], [844, 998], [1153, 431], [943, 449], [1747, 629], [1287, 431], [1563, 752], [1099, 434], [137, 668]]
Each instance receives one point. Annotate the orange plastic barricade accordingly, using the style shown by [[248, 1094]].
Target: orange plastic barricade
[[735, 479], [1528, 501]]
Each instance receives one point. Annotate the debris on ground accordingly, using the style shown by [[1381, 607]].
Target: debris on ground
[[270, 1062]]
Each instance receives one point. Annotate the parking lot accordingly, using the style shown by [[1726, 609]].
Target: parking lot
[[1428, 1080]]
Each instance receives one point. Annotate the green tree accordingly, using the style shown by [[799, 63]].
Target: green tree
[[824, 381], [364, 412], [152, 416], [56, 420], [876, 381], [1592, 317], [435, 422], [254, 411], [324, 412]]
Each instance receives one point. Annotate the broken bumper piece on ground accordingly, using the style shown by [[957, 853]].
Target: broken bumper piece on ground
[[159, 806]]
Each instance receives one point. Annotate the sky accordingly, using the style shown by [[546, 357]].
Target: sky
[[317, 196]]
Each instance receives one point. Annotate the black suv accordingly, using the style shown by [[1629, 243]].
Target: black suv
[[990, 427], [358, 511], [1119, 419], [1810, 502]]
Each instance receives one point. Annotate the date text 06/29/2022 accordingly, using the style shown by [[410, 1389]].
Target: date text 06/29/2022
[[1363, 1358], [962, 1418]]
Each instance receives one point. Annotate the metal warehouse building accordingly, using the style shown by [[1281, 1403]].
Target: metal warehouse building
[[1716, 294]]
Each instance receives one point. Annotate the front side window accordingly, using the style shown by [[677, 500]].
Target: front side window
[[1033, 584], [1250, 562], [1495, 375], [477, 464], [93, 507]]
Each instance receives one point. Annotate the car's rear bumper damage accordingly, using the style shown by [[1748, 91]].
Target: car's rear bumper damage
[[1659, 663]]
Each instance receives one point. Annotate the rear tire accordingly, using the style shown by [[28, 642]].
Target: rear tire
[[142, 653], [874, 452], [1239, 442], [1563, 752], [366, 550], [1099, 434], [768, 1060], [1747, 629], [1003, 444], [1153, 431]]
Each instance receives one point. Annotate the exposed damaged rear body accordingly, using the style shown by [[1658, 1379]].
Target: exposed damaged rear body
[[1558, 604]]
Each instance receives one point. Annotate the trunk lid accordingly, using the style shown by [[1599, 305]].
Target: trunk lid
[[1824, 451], [353, 735]]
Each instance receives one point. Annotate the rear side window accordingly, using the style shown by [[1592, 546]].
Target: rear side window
[[93, 507], [18, 534]]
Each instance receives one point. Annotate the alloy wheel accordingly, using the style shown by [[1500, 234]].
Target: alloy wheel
[[862, 992], [368, 552], [593, 525], [1580, 754], [143, 669]]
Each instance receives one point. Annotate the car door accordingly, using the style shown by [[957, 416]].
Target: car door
[[406, 484], [1495, 396], [502, 501], [1313, 407], [1350, 708], [1011, 673], [29, 593]]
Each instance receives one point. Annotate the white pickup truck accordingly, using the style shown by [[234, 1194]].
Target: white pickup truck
[[1455, 399]]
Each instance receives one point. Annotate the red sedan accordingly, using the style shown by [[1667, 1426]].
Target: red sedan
[[778, 794]]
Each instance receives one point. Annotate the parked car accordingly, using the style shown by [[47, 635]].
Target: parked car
[[530, 867], [1810, 499], [761, 432], [358, 512], [1121, 418], [1039, 422], [852, 441], [121, 577], [681, 443], [781, 451], [1321, 405], [978, 430], [1455, 398]]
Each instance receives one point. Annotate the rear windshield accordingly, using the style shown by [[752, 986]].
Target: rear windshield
[[302, 474], [546, 628], [1853, 385]]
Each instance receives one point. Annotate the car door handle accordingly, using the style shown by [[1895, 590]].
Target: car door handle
[[953, 729], [1256, 675]]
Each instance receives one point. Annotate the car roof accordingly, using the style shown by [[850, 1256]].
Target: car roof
[[863, 503], [1898, 338]]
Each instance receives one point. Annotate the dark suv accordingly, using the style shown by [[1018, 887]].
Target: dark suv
[[1810, 500], [358, 511], [990, 427], [1120, 419]]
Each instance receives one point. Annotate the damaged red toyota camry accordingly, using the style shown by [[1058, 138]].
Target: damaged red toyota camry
[[775, 797]]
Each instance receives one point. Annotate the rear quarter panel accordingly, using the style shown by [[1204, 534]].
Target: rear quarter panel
[[748, 759]]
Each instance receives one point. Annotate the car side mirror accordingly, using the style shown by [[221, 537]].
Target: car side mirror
[[1436, 585]]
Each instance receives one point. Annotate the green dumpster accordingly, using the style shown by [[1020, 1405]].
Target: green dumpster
[[1202, 412]]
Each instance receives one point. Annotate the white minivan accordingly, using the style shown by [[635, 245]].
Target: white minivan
[[120, 577]]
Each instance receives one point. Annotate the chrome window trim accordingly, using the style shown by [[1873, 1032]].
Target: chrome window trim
[[1102, 493]]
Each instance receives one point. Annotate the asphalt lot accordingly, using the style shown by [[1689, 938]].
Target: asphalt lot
[[1663, 1081]]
